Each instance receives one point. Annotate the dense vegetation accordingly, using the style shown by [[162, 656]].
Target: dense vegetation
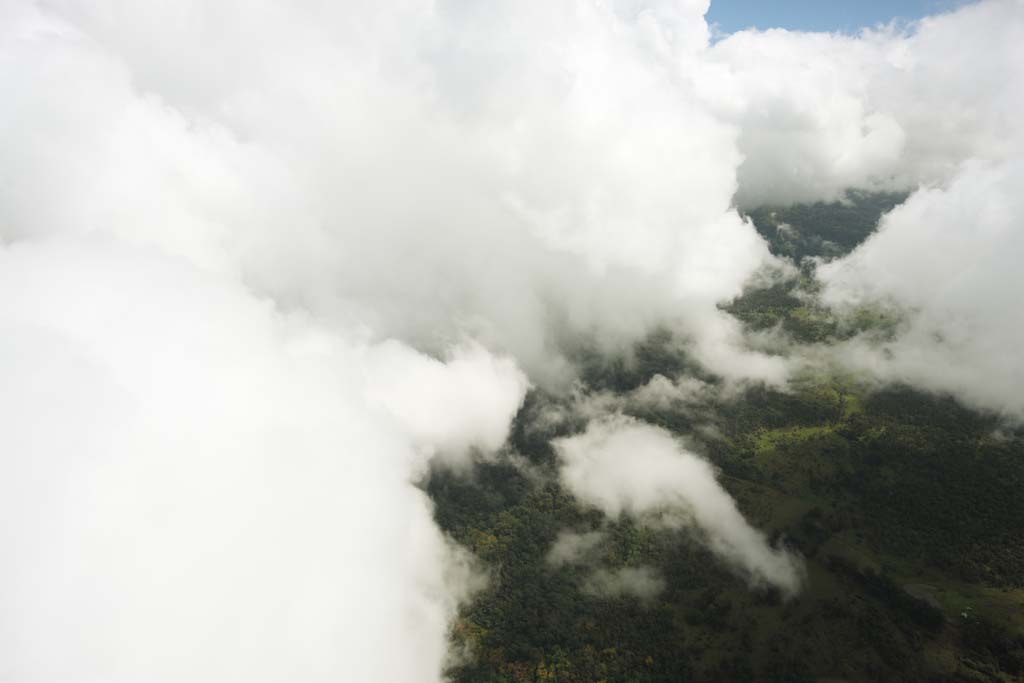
[[807, 234], [907, 508], [823, 229]]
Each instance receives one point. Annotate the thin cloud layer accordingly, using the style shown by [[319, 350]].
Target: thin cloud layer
[[641, 583], [574, 548]]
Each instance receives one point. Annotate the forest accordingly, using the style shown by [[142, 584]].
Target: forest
[[904, 506]]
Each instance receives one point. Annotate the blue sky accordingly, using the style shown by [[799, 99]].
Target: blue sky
[[819, 15]]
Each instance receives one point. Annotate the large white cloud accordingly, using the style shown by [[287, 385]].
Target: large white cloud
[[887, 109], [212, 212], [950, 259], [426, 169], [194, 486]]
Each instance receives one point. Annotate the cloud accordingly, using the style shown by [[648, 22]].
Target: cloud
[[507, 175], [934, 110], [949, 259], [510, 174], [643, 583], [888, 109], [449, 407], [662, 393], [196, 486], [262, 261], [626, 467], [219, 219], [574, 548]]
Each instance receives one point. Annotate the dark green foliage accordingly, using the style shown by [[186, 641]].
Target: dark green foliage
[[890, 593], [794, 307], [918, 487], [761, 308], [939, 487], [813, 230], [986, 640], [822, 229]]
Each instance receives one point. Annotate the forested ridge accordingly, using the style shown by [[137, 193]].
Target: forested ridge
[[905, 507]]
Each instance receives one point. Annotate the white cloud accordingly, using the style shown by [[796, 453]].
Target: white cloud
[[194, 486], [934, 110], [821, 113], [624, 466], [452, 407], [214, 216], [662, 393], [950, 259], [498, 173]]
